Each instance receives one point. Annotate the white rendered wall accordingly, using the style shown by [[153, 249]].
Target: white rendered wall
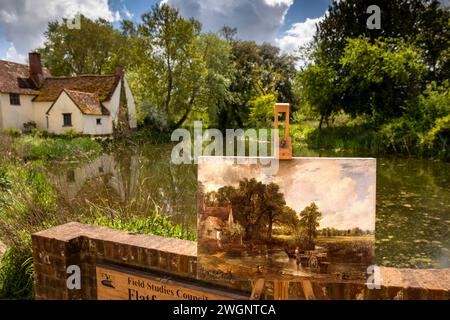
[[15, 116], [90, 125], [55, 118], [131, 105]]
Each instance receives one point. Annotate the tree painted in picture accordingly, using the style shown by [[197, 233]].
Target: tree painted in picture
[[309, 222]]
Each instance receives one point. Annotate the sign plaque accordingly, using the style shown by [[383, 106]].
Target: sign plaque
[[116, 283]]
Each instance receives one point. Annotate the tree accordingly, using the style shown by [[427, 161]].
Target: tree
[[378, 79], [377, 73], [88, 50], [261, 111], [309, 221], [424, 23], [324, 102], [259, 70], [179, 71], [256, 207]]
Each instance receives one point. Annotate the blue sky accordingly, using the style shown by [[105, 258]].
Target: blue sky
[[286, 23]]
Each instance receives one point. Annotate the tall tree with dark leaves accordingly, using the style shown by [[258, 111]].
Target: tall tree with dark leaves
[[87, 50]]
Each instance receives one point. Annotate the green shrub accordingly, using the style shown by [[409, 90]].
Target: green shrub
[[400, 135], [261, 111], [17, 273], [154, 224], [27, 204], [12, 132], [36, 148]]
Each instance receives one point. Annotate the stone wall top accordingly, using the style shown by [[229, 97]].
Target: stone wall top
[[75, 230], [86, 245]]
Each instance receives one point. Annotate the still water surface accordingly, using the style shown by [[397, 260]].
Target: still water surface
[[413, 197]]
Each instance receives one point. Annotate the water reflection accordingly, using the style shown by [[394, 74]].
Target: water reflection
[[72, 182], [413, 197]]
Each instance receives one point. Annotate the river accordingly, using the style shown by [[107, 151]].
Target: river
[[413, 197]]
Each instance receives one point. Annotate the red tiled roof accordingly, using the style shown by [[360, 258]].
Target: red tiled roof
[[219, 212], [102, 86], [14, 78], [88, 103]]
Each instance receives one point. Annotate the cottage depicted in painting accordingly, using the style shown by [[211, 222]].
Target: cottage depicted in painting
[[314, 218], [214, 220], [88, 104]]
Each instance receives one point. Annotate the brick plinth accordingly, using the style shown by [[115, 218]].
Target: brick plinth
[[86, 246]]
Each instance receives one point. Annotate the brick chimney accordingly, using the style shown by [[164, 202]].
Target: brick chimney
[[35, 67], [120, 70]]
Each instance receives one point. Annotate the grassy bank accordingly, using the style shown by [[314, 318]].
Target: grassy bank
[[362, 139], [29, 203]]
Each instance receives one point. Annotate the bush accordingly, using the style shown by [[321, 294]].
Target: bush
[[29, 126], [261, 111], [13, 132], [154, 224], [400, 135], [27, 204], [17, 273]]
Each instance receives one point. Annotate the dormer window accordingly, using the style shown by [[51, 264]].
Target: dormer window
[[14, 99]]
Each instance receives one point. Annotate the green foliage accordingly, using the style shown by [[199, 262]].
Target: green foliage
[[170, 59], [309, 222], [378, 79], [154, 224], [13, 132], [95, 48], [259, 70], [27, 205], [256, 207], [424, 128], [422, 23], [35, 148], [232, 233], [16, 273], [380, 76], [322, 102], [261, 111]]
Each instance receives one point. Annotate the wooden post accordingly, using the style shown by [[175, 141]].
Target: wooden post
[[280, 290], [285, 151], [258, 287], [308, 290]]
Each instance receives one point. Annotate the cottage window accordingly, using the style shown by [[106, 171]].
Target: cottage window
[[14, 99], [99, 121], [67, 119]]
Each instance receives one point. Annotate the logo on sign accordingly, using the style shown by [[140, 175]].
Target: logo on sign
[[107, 280]]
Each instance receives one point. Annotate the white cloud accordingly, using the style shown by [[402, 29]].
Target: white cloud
[[24, 21], [258, 20], [300, 34], [343, 189], [13, 55]]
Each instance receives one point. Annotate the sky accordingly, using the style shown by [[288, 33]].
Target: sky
[[285, 23], [343, 189]]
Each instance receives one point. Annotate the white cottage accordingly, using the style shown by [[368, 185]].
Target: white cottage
[[88, 104]]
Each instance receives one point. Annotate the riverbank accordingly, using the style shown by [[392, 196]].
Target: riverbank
[[362, 138], [30, 202], [132, 180]]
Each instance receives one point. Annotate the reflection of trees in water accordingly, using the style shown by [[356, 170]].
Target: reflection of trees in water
[[131, 182], [413, 213]]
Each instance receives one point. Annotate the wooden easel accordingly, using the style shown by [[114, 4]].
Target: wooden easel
[[285, 143], [281, 287]]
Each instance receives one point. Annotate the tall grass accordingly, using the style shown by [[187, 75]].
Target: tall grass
[[29, 203], [30, 147]]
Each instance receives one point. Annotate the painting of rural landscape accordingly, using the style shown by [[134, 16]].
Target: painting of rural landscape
[[315, 218]]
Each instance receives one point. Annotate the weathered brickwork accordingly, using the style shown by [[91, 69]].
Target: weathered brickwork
[[85, 245]]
